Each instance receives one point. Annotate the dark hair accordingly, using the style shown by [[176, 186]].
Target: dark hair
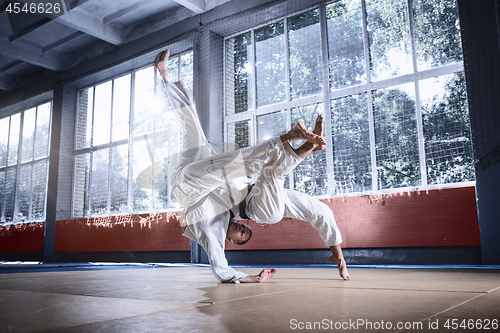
[[250, 236]]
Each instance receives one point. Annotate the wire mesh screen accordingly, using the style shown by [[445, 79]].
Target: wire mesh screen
[[396, 141], [351, 144], [310, 175], [127, 140], [447, 133], [394, 100], [24, 159]]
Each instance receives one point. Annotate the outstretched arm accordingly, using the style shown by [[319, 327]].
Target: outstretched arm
[[218, 262], [264, 275]]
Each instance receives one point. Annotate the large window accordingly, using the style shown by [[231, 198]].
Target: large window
[[24, 163], [386, 74], [127, 140]]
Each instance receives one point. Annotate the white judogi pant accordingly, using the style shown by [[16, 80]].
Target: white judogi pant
[[204, 177]]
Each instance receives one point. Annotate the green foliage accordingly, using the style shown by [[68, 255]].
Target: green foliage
[[337, 9], [345, 44], [270, 64], [241, 134], [351, 144], [305, 54], [396, 141], [446, 129], [271, 125], [270, 31], [437, 31], [388, 38], [310, 174], [447, 135], [187, 62], [241, 75]]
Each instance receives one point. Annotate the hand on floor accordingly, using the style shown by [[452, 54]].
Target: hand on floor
[[266, 274]]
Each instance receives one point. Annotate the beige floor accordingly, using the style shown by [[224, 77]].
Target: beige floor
[[188, 299]]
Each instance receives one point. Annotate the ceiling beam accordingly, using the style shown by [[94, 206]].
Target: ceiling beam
[[62, 41], [197, 6], [127, 10], [11, 66], [85, 21], [66, 5], [29, 54], [17, 35], [8, 83], [82, 20]]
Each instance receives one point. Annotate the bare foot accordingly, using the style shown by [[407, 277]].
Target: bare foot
[[340, 262], [160, 62], [318, 130], [299, 131]]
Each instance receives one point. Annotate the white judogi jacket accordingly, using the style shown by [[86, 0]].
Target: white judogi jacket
[[211, 234], [210, 185]]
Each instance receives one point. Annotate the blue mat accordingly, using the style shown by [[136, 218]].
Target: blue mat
[[30, 266]]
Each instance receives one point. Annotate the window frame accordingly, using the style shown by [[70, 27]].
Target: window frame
[[31, 162], [129, 141], [328, 94]]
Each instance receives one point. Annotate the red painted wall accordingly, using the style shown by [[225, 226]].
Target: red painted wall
[[408, 219], [147, 232], [22, 238]]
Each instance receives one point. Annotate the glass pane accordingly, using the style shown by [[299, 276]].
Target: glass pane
[[238, 133], [304, 41], [396, 140], [310, 175], [121, 108], [167, 146], [144, 101], [173, 68], [4, 140], [10, 190], [42, 131], [167, 154], [239, 76], [28, 135], [119, 179], [187, 71], [100, 181], [102, 113], [271, 125], [81, 183], [345, 44], [24, 192], [143, 159], [389, 38], [437, 33], [164, 115], [15, 123], [351, 144], [162, 171], [447, 136], [84, 118], [2, 196], [39, 191], [270, 64]]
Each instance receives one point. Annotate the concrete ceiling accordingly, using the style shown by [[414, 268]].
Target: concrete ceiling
[[34, 42]]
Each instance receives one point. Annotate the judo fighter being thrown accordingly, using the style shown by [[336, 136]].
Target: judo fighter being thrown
[[215, 191]]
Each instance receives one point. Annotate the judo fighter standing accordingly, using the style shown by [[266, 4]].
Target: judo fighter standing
[[214, 190]]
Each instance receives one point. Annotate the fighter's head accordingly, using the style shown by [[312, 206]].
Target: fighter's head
[[238, 233]]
